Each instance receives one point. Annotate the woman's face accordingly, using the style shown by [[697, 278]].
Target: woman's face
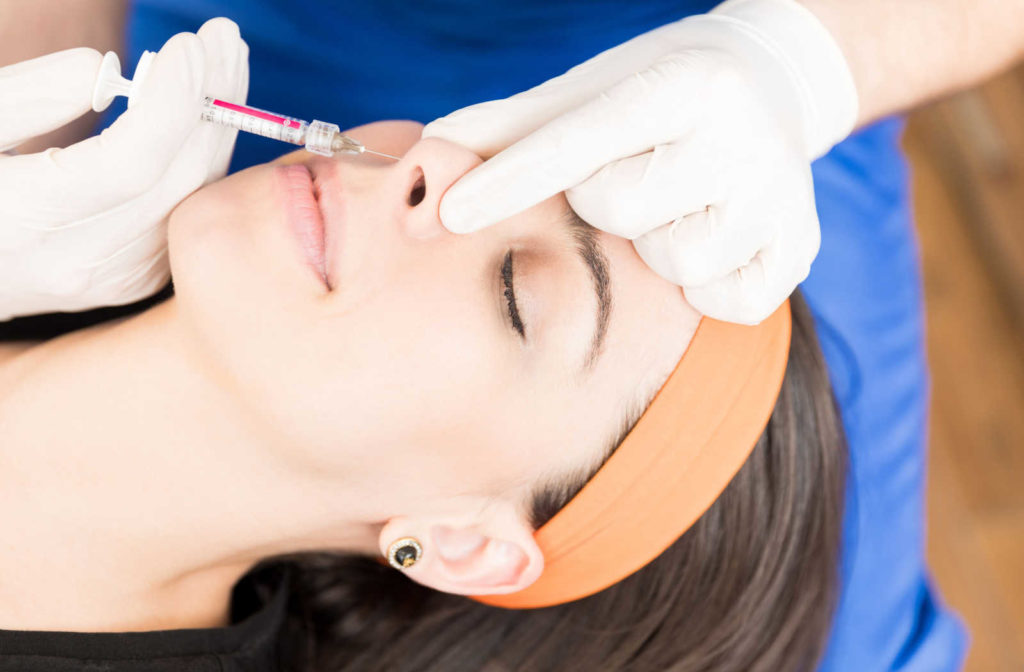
[[407, 365]]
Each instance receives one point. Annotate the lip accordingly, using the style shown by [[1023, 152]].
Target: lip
[[327, 186], [305, 218]]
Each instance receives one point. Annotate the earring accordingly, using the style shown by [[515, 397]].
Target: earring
[[403, 553]]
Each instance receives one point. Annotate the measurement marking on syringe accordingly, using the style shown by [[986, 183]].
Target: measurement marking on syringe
[[253, 112]]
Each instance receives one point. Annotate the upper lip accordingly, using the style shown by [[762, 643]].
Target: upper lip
[[324, 183]]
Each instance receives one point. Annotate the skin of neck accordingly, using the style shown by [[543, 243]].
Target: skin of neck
[[134, 493]]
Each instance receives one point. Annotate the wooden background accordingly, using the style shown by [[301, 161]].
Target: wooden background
[[968, 160]]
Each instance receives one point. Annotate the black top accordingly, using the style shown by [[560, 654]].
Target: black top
[[249, 644]]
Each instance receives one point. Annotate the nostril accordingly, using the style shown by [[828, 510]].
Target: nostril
[[419, 190]]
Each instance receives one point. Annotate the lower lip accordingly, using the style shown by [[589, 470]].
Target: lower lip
[[305, 219]]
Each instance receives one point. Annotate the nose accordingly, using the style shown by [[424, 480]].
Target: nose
[[426, 171]]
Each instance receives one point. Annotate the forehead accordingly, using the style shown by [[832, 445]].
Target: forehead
[[651, 323]]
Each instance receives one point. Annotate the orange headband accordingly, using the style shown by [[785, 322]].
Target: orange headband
[[689, 443]]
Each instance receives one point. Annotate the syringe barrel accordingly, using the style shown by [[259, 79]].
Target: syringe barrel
[[255, 120]]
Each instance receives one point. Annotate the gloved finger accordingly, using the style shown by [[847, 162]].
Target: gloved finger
[[118, 282], [633, 116], [205, 154], [632, 196], [196, 162], [710, 245], [129, 157], [226, 77], [671, 251], [660, 248], [489, 127], [102, 260], [44, 93], [136, 269], [752, 292], [715, 242], [140, 282], [227, 59]]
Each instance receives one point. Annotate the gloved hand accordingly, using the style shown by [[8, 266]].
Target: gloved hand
[[85, 226], [694, 140]]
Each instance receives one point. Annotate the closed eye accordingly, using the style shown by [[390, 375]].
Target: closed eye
[[510, 294]]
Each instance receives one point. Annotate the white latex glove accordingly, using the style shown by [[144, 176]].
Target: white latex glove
[[694, 140], [85, 226]]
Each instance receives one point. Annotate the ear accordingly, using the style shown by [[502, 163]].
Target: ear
[[490, 551]]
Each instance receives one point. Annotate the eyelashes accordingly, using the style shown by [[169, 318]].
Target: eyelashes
[[510, 294]]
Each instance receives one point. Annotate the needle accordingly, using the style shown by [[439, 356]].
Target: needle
[[388, 156], [343, 143]]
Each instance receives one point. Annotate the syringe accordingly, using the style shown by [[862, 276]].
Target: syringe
[[319, 137]]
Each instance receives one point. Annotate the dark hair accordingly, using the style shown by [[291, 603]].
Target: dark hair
[[751, 586]]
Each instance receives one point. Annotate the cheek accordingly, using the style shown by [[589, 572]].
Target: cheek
[[222, 258], [190, 232], [414, 368], [207, 277], [424, 348], [235, 287]]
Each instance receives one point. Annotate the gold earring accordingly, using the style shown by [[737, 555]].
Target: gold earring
[[403, 553]]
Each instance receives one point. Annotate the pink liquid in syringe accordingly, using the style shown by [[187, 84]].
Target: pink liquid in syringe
[[255, 120]]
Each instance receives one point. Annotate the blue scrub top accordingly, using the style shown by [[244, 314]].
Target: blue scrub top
[[356, 62]]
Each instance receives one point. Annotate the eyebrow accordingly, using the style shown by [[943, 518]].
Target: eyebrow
[[592, 254]]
